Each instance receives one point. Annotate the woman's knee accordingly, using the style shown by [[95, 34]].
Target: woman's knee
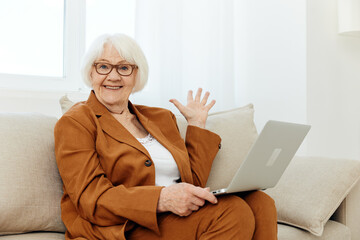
[[239, 212], [261, 202], [260, 197]]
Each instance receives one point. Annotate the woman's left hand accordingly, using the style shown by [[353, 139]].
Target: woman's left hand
[[196, 111]]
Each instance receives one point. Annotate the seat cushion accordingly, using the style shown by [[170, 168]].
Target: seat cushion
[[332, 231], [35, 236]]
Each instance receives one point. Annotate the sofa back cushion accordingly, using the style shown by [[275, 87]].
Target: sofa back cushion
[[238, 132], [311, 189], [30, 185]]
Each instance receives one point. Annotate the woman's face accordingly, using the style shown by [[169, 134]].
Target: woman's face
[[112, 89]]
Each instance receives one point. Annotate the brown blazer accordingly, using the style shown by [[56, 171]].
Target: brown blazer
[[109, 177]]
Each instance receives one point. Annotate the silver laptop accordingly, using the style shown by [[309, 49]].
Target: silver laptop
[[268, 157]]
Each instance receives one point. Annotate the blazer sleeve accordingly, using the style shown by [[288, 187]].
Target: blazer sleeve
[[202, 146], [95, 198]]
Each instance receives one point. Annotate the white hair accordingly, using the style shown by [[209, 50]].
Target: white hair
[[126, 47]]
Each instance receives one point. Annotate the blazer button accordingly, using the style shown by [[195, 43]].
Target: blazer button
[[148, 163], [219, 145]]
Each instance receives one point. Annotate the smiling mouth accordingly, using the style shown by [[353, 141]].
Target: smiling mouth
[[113, 87]]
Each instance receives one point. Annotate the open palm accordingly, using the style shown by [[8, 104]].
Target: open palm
[[196, 111]]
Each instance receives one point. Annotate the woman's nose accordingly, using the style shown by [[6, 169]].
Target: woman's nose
[[114, 75]]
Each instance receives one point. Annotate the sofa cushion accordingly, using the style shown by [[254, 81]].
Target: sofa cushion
[[238, 132], [332, 231], [35, 236], [65, 103], [30, 184], [311, 189]]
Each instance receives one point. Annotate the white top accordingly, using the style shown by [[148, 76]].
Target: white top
[[166, 170]]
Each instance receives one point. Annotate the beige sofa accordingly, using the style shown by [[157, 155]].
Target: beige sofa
[[31, 188]]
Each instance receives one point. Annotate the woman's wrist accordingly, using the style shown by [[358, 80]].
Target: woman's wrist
[[160, 206], [196, 123]]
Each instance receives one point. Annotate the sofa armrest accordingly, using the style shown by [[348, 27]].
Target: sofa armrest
[[348, 212]]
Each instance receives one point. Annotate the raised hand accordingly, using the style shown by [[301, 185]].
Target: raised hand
[[196, 111], [183, 198]]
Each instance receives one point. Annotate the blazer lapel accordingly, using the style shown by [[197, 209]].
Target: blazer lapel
[[155, 131], [150, 126], [112, 127]]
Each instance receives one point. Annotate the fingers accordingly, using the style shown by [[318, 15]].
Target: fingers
[[205, 98], [183, 198], [198, 197], [204, 194], [198, 95], [210, 105], [198, 201], [195, 111], [194, 207], [177, 104], [190, 96]]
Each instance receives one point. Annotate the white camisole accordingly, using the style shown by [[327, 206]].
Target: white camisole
[[166, 170]]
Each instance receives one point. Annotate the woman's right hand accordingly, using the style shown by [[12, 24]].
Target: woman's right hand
[[183, 198]]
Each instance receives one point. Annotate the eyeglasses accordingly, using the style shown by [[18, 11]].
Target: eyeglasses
[[122, 69]]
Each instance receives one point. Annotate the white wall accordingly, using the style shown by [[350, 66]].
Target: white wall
[[333, 84], [275, 59], [272, 60]]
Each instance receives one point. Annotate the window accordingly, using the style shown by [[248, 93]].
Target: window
[[31, 40], [42, 42]]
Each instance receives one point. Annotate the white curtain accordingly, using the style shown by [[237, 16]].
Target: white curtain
[[242, 51], [191, 44]]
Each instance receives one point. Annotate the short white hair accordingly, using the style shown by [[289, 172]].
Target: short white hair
[[126, 47]]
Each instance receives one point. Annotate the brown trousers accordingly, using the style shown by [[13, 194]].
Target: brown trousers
[[250, 215]]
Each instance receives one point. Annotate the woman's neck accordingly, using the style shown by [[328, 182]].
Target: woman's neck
[[120, 112], [118, 109]]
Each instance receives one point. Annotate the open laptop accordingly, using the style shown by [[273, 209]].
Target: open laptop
[[268, 157]]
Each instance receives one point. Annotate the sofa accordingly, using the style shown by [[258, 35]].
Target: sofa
[[316, 198]]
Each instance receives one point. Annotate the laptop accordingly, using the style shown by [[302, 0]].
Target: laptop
[[268, 157]]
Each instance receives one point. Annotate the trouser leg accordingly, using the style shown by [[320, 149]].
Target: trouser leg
[[264, 210], [231, 218]]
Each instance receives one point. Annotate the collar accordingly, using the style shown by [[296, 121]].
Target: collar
[[115, 129]]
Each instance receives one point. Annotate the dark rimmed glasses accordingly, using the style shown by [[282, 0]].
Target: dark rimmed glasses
[[122, 69]]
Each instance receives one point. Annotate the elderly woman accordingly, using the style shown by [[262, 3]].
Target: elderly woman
[[128, 174]]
